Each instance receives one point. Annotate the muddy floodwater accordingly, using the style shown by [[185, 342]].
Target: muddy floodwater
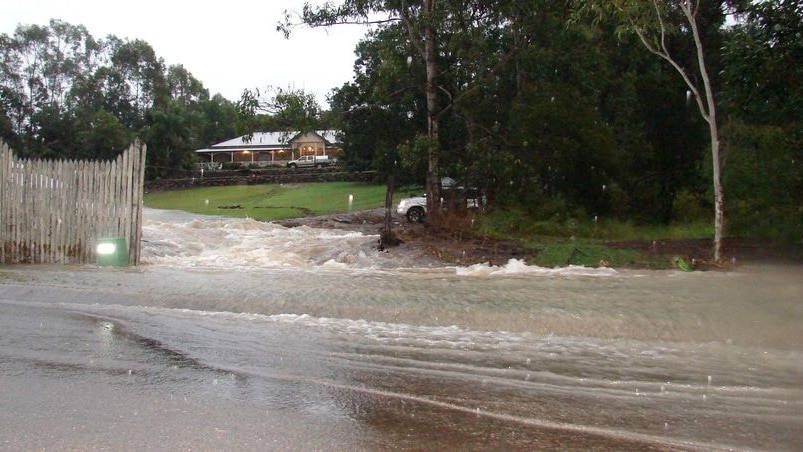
[[235, 334]]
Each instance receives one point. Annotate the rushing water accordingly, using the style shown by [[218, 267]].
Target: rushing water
[[241, 334]]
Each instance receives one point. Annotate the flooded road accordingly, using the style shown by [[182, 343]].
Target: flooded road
[[239, 334]]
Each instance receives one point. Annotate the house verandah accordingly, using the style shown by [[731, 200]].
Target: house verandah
[[270, 148]]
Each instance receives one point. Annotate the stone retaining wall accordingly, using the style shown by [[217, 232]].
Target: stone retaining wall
[[255, 177]]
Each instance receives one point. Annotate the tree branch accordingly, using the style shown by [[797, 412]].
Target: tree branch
[[325, 18], [664, 54], [414, 40]]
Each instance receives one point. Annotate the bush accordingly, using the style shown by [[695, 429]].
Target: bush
[[690, 207]]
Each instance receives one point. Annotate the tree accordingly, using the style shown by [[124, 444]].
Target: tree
[[168, 136], [420, 21], [142, 71], [382, 107], [40, 65], [181, 85], [219, 121], [762, 73], [654, 22], [763, 66], [64, 94], [103, 137], [286, 110], [444, 37]]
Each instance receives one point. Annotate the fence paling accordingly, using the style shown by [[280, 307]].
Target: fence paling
[[54, 211]]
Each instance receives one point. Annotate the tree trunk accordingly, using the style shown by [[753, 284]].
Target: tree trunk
[[711, 117], [706, 105], [719, 194], [432, 181], [387, 237]]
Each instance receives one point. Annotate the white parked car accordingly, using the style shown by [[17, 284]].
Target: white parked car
[[415, 207]]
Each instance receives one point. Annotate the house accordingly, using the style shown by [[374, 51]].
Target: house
[[270, 148]]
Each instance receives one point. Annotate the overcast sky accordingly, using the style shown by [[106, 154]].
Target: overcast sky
[[228, 45]]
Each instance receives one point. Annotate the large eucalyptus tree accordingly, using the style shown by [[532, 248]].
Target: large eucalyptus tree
[[656, 23]]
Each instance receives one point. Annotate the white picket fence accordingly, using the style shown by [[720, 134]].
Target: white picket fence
[[55, 211]]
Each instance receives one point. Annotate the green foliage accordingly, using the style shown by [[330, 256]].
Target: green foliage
[[382, 109], [283, 110], [64, 94], [271, 202], [535, 111], [763, 56], [587, 254], [503, 223], [413, 156], [183, 87], [691, 207], [562, 241], [765, 179], [105, 137], [565, 146]]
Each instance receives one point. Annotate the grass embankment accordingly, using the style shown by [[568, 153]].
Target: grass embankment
[[586, 242], [272, 202]]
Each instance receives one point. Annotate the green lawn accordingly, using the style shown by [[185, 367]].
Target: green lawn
[[271, 202]]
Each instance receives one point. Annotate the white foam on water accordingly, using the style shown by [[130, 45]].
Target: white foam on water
[[179, 239], [247, 244], [519, 267]]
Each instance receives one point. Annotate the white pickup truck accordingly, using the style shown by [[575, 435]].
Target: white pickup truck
[[308, 161]]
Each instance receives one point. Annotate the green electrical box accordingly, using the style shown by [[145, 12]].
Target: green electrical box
[[112, 252]]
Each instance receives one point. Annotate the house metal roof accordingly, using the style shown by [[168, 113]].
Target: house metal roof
[[268, 141]]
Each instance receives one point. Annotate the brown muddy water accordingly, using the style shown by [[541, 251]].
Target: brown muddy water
[[247, 335]]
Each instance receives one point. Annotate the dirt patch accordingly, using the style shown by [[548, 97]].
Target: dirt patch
[[366, 221], [455, 244]]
